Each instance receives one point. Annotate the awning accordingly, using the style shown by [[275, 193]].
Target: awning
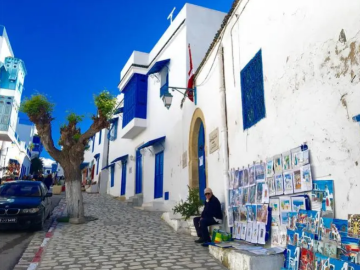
[[97, 156], [108, 166], [158, 66], [153, 142], [84, 165], [122, 158]]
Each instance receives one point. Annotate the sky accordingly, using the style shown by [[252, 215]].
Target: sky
[[74, 49]]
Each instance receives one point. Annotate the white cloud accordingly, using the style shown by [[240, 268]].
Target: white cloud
[[47, 162]]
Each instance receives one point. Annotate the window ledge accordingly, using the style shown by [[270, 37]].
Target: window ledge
[[133, 128]]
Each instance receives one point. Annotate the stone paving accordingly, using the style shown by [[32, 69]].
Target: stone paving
[[123, 238]]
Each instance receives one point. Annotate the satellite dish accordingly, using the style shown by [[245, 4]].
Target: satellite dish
[[170, 17]]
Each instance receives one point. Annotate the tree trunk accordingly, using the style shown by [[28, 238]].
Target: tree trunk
[[74, 198]]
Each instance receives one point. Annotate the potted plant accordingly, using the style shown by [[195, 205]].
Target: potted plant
[[190, 208], [57, 188]]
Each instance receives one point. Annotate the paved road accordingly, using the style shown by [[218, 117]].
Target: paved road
[[13, 243]]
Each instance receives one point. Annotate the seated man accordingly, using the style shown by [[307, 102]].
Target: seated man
[[211, 215]]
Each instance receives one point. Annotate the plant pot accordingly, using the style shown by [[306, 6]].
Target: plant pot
[[190, 223], [57, 189]]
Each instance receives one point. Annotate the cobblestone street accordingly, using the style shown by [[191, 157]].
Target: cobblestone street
[[123, 238]]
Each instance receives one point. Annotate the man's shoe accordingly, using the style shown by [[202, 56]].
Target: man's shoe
[[205, 244], [199, 241]]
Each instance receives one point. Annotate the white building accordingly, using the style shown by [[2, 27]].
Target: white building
[[275, 77], [147, 139], [15, 153]]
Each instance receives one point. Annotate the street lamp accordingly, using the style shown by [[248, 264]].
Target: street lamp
[[167, 97]]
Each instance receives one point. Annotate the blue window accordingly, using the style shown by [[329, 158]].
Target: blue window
[[97, 163], [252, 92], [159, 175], [161, 67], [135, 98], [112, 172], [123, 178], [93, 143], [100, 132], [112, 134]]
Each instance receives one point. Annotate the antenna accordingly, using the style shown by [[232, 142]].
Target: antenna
[[170, 17]]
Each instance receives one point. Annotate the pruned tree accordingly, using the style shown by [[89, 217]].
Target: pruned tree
[[36, 165], [39, 110]]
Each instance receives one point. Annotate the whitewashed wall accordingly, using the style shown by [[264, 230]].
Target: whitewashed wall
[[311, 93]]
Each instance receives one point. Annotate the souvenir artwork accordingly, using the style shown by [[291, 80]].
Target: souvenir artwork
[[297, 158], [245, 177], [288, 182], [275, 235], [265, 194], [306, 157], [353, 266], [285, 204], [318, 247], [298, 203], [243, 213], [332, 229], [286, 161], [292, 257], [292, 218], [271, 184], [306, 179], [297, 181], [249, 230], [279, 184], [275, 219], [236, 180], [262, 213], [252, 193], [241, 178], [307, 240], [231, 197], [278, 164], [322, 262], [251, 213], [232, 179], [259, 191], [237, 230], [282, 238], [354, 225], [260, 171], [245, 195], [337, 264], [306, 259], [350, 249], [330, 249], [254, 237], [292, 237], [236, 215], [275, 205], [310, 219], [243, 230], [261, 233], [284, 218], [230, 217], [269, 168], [252, 175], [322, 197]]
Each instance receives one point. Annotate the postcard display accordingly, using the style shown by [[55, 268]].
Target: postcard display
[[278, 191]]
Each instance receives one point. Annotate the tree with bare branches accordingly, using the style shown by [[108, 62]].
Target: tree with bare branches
[[74, 143]]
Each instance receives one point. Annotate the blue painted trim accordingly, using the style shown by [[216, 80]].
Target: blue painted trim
[[114, 120], [195, 95], [119, 110], [108, 166], [123, 179], [84, 165], [356, 118], [97, 156], [158, 66], [122, 158], [100, 133], [112, 176], [152, 142], [166, 195], [159, 175], [93, 143], [138, 176]]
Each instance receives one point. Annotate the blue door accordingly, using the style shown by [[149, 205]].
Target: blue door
[[159, 177], [112, 174], [123, 178], [138, 177], [201, 157]]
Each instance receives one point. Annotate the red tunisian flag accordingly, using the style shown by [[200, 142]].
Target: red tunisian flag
[[190, 93]]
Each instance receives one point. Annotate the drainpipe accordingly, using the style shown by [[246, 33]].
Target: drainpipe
[[223, 124]]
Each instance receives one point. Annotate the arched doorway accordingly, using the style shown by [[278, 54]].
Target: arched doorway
[[198, 153]]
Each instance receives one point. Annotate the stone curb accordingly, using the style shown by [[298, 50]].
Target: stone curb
[[32, 255]]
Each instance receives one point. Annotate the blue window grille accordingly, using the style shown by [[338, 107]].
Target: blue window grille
[[100, 133], [252, 92], [112, 175], [112, 134], [159, 175], [123, 178], [135, 98]]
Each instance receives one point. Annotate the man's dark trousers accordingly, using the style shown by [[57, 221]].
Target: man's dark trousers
[[201, 227]]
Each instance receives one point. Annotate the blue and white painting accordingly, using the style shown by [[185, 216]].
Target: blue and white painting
[[292, 257], [323, 197], [332, 228], [251, 213], [298, 203], [336, 264]]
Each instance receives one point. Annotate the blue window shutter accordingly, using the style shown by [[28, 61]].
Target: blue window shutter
[[123, 179], [159, 171], [112, 172], [252, 92], [100, 132]]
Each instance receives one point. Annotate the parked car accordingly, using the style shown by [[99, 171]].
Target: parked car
[[24, 205]]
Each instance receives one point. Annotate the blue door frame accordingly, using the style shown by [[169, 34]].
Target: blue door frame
[[159, 175], [123, 178], [138, 177], [201, 158]]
